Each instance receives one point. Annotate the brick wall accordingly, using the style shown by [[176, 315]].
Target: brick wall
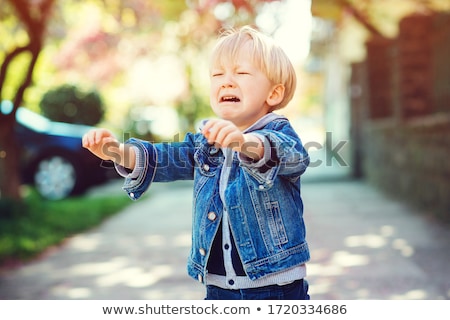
[[411, 162], [414, 62], [401, 114], [440, 41]]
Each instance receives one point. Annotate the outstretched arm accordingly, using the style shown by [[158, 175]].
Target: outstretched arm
[[104, 145]]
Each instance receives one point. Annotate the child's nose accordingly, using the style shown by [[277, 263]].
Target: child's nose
[[227, 85], [228, 82]]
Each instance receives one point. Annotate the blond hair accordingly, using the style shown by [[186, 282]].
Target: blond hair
[[268, 56]]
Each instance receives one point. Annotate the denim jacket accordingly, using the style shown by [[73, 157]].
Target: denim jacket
[[263, 199]]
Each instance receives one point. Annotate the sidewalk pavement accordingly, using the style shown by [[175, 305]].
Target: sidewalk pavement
[[364, 245]]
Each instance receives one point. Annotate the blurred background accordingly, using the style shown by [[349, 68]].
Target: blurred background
[[373, 96], [137, 67]]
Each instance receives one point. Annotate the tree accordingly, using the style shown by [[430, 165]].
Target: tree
[[68, 103], [33, 17], [374, 15]]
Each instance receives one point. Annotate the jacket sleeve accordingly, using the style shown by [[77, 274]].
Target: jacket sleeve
[[138, 181], [284, 154], [159, 162]]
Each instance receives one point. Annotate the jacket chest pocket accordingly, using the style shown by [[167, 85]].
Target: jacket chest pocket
[[207, 167], [208, 160]]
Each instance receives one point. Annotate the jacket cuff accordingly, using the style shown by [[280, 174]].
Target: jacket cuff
[[140, 179], [127, 173], [250, 163]]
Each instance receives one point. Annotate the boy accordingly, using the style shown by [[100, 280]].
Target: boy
[[248, 239]]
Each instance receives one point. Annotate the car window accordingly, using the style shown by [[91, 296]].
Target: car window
[[32, 120]]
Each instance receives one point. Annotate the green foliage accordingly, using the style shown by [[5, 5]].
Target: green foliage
[[171, 10], [17, 69], [10, 208], [42, 224], [193, 109], [68, 103]]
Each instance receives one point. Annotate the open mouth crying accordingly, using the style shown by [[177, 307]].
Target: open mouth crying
[[230, 99]]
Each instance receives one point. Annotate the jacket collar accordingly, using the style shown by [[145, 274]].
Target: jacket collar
[[259, 124], [262, 122]]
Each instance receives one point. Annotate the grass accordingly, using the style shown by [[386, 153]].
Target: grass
[[37, 224]]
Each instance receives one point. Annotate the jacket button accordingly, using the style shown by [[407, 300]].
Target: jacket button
[[261, 187], [212, 216], [206, 167], [132, 195], [200, 278], [202, 251]]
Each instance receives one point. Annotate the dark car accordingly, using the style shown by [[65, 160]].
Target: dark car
[[52, 157]]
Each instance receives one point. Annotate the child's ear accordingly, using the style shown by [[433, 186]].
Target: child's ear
[[276, 95]]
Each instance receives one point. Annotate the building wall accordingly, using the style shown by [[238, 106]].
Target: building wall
[[400, 101]]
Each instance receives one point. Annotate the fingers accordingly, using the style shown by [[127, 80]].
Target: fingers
[[102, 143], [223, 133], [216, 131], [206, 130], [95, 136], [86, 140]]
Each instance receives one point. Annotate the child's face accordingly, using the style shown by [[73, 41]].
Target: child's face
[[240, 92]]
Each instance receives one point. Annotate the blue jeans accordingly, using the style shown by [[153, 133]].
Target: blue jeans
[[297, 290]]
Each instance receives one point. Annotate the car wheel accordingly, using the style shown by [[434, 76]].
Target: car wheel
[[55, 177]]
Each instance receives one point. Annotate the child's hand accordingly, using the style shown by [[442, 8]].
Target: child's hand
[[102, 143], [224, 133]]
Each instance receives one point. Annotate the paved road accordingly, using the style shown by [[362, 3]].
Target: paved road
[[363, 244]]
